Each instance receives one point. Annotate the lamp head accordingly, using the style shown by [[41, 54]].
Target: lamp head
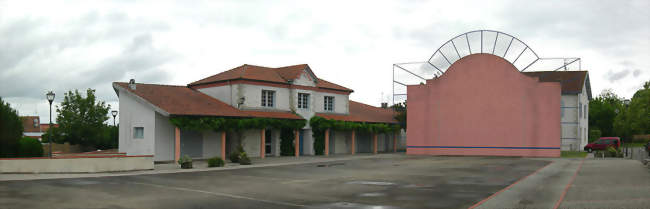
[[50, 96], [114, 113]]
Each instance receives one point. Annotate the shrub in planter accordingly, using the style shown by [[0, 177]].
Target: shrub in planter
[[215, 162], [613, 152], [30, 147], [244, 160], [234, 157], [185, 161]]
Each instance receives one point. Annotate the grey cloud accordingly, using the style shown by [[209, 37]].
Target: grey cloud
[[637, 73], [28, 63], [614, 27], [139, 58], [612, 76]]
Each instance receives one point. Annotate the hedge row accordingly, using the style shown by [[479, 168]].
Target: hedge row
[[234, 124]]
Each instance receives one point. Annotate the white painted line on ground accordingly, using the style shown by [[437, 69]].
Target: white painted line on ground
[[221, 194]]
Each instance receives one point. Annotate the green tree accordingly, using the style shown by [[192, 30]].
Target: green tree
[[11, 130], [400, 109], [635, 119], [602, 112], [81, 119]]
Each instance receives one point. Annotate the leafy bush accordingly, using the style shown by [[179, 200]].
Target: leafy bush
[[613, 152], [594, 134], [11, 130], [216, 162], [30, 147], [243, 159], [287, 147], [185, 161], [220, 124], [234, 156]]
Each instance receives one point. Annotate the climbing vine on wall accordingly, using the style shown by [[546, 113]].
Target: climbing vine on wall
[[201, 123], [319, 125]]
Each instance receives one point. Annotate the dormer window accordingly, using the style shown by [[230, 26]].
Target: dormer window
[[303, 101], [268, 98], [329, 103]]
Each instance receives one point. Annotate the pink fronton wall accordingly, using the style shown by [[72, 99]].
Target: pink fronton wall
[[483, 105]]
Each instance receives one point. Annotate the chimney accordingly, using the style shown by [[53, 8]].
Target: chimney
[[384, 105], [132, 84]]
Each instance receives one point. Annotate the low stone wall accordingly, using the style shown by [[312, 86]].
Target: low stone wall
[[76, 164]]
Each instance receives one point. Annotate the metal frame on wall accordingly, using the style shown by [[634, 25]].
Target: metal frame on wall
[[501, 44]]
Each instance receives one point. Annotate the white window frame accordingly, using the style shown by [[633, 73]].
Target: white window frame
[[303, 101], [135, 133], [331, 103], [268, 96], [580, 109]]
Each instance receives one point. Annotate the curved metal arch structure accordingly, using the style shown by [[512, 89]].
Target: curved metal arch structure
[[501, 44]]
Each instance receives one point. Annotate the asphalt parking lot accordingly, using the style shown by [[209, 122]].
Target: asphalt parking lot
[[396, 182]]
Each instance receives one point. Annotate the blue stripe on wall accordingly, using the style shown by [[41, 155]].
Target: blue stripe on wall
[[464, 147]]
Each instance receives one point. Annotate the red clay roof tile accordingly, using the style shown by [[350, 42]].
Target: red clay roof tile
[[275, 75], [360, 112], [181, 100]]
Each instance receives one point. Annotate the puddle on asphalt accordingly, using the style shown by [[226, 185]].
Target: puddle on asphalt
[[377, 183], [372, 194], [330, 165], [344, 205]]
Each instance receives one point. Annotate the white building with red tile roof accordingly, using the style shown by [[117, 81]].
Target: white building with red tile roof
[[248, 91]]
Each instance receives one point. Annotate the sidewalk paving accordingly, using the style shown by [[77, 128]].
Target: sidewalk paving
[[201, 165], [539, 190], [579, 183]]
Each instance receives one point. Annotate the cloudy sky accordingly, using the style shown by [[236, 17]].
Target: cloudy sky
[[66, 45]]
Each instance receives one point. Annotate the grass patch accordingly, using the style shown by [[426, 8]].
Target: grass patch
[[573, 154], [639, 144]]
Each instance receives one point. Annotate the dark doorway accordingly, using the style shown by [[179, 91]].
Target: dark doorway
[[364, 142], [268, 142], [191, 143], [332, 143]]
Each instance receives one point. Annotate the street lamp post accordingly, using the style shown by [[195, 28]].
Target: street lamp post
[[114, 113], [50, 98]]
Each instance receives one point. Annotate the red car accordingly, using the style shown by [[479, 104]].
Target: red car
[[603, 143]]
